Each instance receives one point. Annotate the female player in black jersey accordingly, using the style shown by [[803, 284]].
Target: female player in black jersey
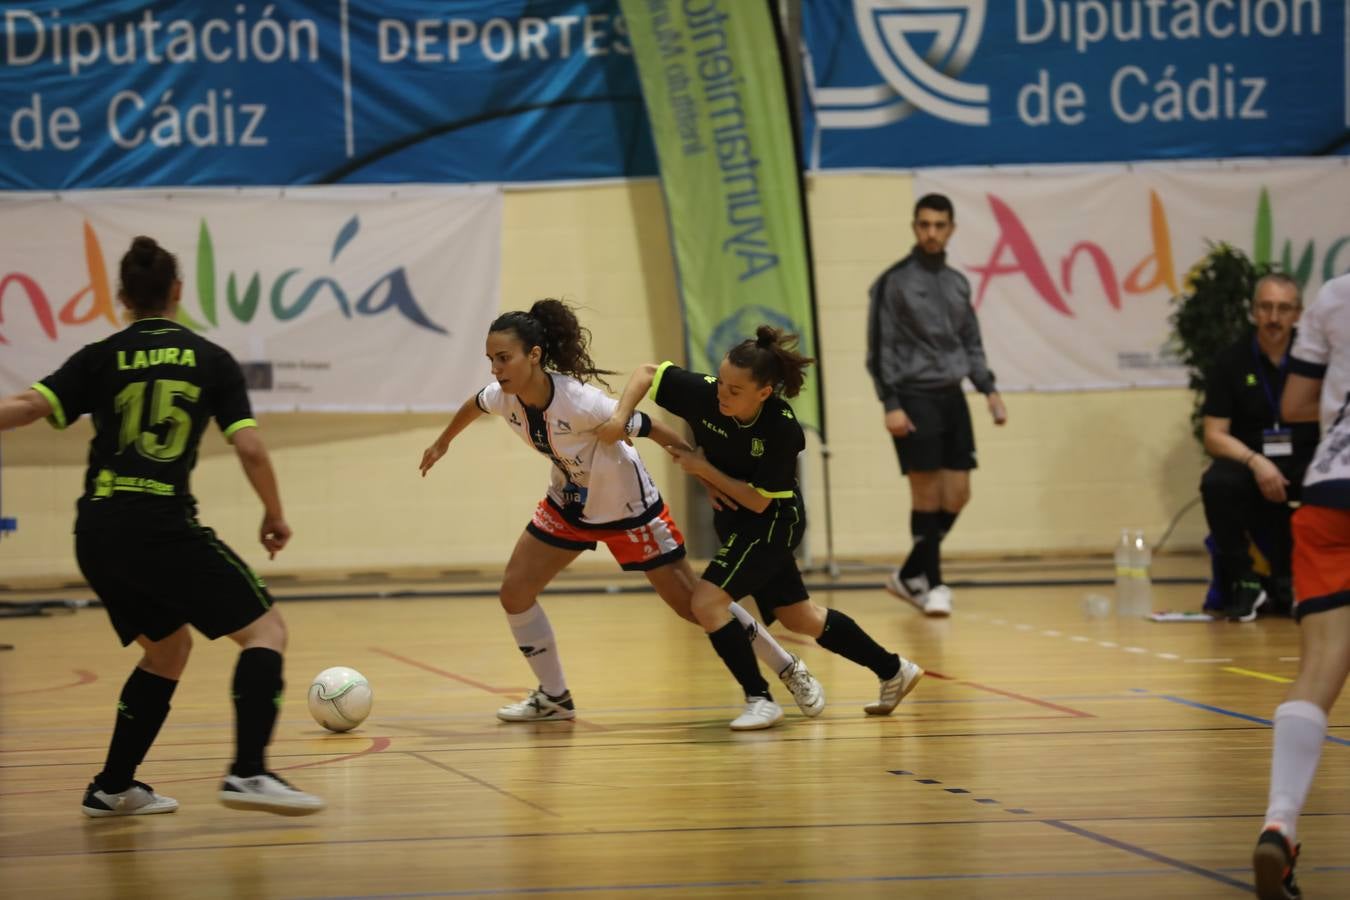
[[747, 444], [151, 390], [599, 491]]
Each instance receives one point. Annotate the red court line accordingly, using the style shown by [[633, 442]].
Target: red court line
[[377, 745], [1076, 713], [471, 683], [85, 677], [451, 675]]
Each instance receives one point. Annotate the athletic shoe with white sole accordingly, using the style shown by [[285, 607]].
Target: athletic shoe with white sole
[[806, 690], [539, 707], [895, 689], [938, 602], [911, 590], [267, 793], [137, 800], [760, 712]]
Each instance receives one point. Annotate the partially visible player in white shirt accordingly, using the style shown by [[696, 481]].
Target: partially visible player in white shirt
[[1318, 387], [597, 491]]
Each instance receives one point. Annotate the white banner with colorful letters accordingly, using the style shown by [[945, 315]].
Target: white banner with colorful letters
[[1072, 269], [334, 298]]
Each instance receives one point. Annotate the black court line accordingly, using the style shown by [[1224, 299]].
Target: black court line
[[479, 781], [1149, 854], [1060, 822]]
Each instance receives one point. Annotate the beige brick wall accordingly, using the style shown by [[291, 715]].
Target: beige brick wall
[[1064, 475]]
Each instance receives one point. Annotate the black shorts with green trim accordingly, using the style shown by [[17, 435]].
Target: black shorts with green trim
[[750, 566], [156, 578]]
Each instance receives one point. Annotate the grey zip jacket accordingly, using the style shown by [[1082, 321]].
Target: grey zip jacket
[[922, 334]]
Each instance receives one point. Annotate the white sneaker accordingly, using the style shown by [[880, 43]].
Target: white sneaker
[[539, 707], [138, 800], [912, 590], [267, 793], [894, 689], [806, 690], [938, 602], [760, 712]]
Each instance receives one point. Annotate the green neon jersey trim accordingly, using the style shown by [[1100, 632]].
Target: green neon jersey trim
[[240, 426], [58, 416], [656, 379], [772, 495]]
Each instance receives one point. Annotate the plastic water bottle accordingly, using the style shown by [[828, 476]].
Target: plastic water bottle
[[1125, 573], [1142, 590]]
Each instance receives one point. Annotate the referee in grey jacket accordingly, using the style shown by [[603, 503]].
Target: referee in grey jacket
[[922, 341]]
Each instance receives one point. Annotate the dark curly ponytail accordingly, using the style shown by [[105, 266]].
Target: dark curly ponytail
[[772, 359], [148, 273], [564, 344]]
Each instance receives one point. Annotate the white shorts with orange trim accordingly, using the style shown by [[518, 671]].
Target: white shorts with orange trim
[[641, 548]]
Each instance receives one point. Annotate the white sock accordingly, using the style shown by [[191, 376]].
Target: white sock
[[534, 637], [767, 650], [1300, 728]]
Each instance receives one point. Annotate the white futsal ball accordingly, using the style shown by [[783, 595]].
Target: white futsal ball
[[339, 698]]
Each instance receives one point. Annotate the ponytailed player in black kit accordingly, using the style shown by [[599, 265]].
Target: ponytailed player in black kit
[[747, 441], [151, 390]]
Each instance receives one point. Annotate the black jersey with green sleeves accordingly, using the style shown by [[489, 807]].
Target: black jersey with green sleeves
[[150, 389], [762, 453]]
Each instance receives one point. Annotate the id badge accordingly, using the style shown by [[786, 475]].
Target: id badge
[[1276, 442]]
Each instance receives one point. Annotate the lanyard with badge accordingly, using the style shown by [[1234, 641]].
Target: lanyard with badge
[[1275, 441]]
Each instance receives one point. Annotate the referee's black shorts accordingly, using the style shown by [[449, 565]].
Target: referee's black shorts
[[944, 439], [155, 579]]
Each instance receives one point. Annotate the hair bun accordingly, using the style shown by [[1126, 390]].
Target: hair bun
[[765, 338], [144, 249]]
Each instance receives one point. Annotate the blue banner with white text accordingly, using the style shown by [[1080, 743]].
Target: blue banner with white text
[[122, 93], [907, 83]]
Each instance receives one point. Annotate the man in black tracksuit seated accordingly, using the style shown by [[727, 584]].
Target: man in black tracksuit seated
[[1258, 460]]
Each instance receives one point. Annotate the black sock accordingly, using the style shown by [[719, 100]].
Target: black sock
[[925, 527], [257, 699], [141, 710], [945, 522], [843, 636], [732, 644]]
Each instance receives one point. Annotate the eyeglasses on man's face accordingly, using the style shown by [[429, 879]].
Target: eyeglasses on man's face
[[1270, 308]]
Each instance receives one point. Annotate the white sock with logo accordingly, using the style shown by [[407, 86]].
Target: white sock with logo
[[1300, 728], [534, 636], [767, 650]]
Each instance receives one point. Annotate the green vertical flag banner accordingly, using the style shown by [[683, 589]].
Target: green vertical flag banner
[[714, 85]]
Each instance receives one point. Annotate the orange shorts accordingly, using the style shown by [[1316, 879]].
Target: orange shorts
[[1321, 559], [641, 548]]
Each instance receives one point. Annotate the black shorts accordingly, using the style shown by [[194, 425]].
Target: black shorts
[[945, 439], [155, 580], [745, 566]]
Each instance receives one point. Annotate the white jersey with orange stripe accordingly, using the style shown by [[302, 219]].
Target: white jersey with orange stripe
[[593, 483]]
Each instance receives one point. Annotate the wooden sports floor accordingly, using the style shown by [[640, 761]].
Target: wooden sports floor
[[1048, 754]]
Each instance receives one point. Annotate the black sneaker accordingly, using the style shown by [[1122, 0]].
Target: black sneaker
[[1280, 590], [1245, 599], [1273, 862]]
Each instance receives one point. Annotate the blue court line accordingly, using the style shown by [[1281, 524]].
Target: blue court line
[[1149, 854], [1236, 715]]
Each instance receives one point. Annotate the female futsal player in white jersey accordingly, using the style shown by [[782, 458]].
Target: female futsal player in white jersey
[[598, 491]]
